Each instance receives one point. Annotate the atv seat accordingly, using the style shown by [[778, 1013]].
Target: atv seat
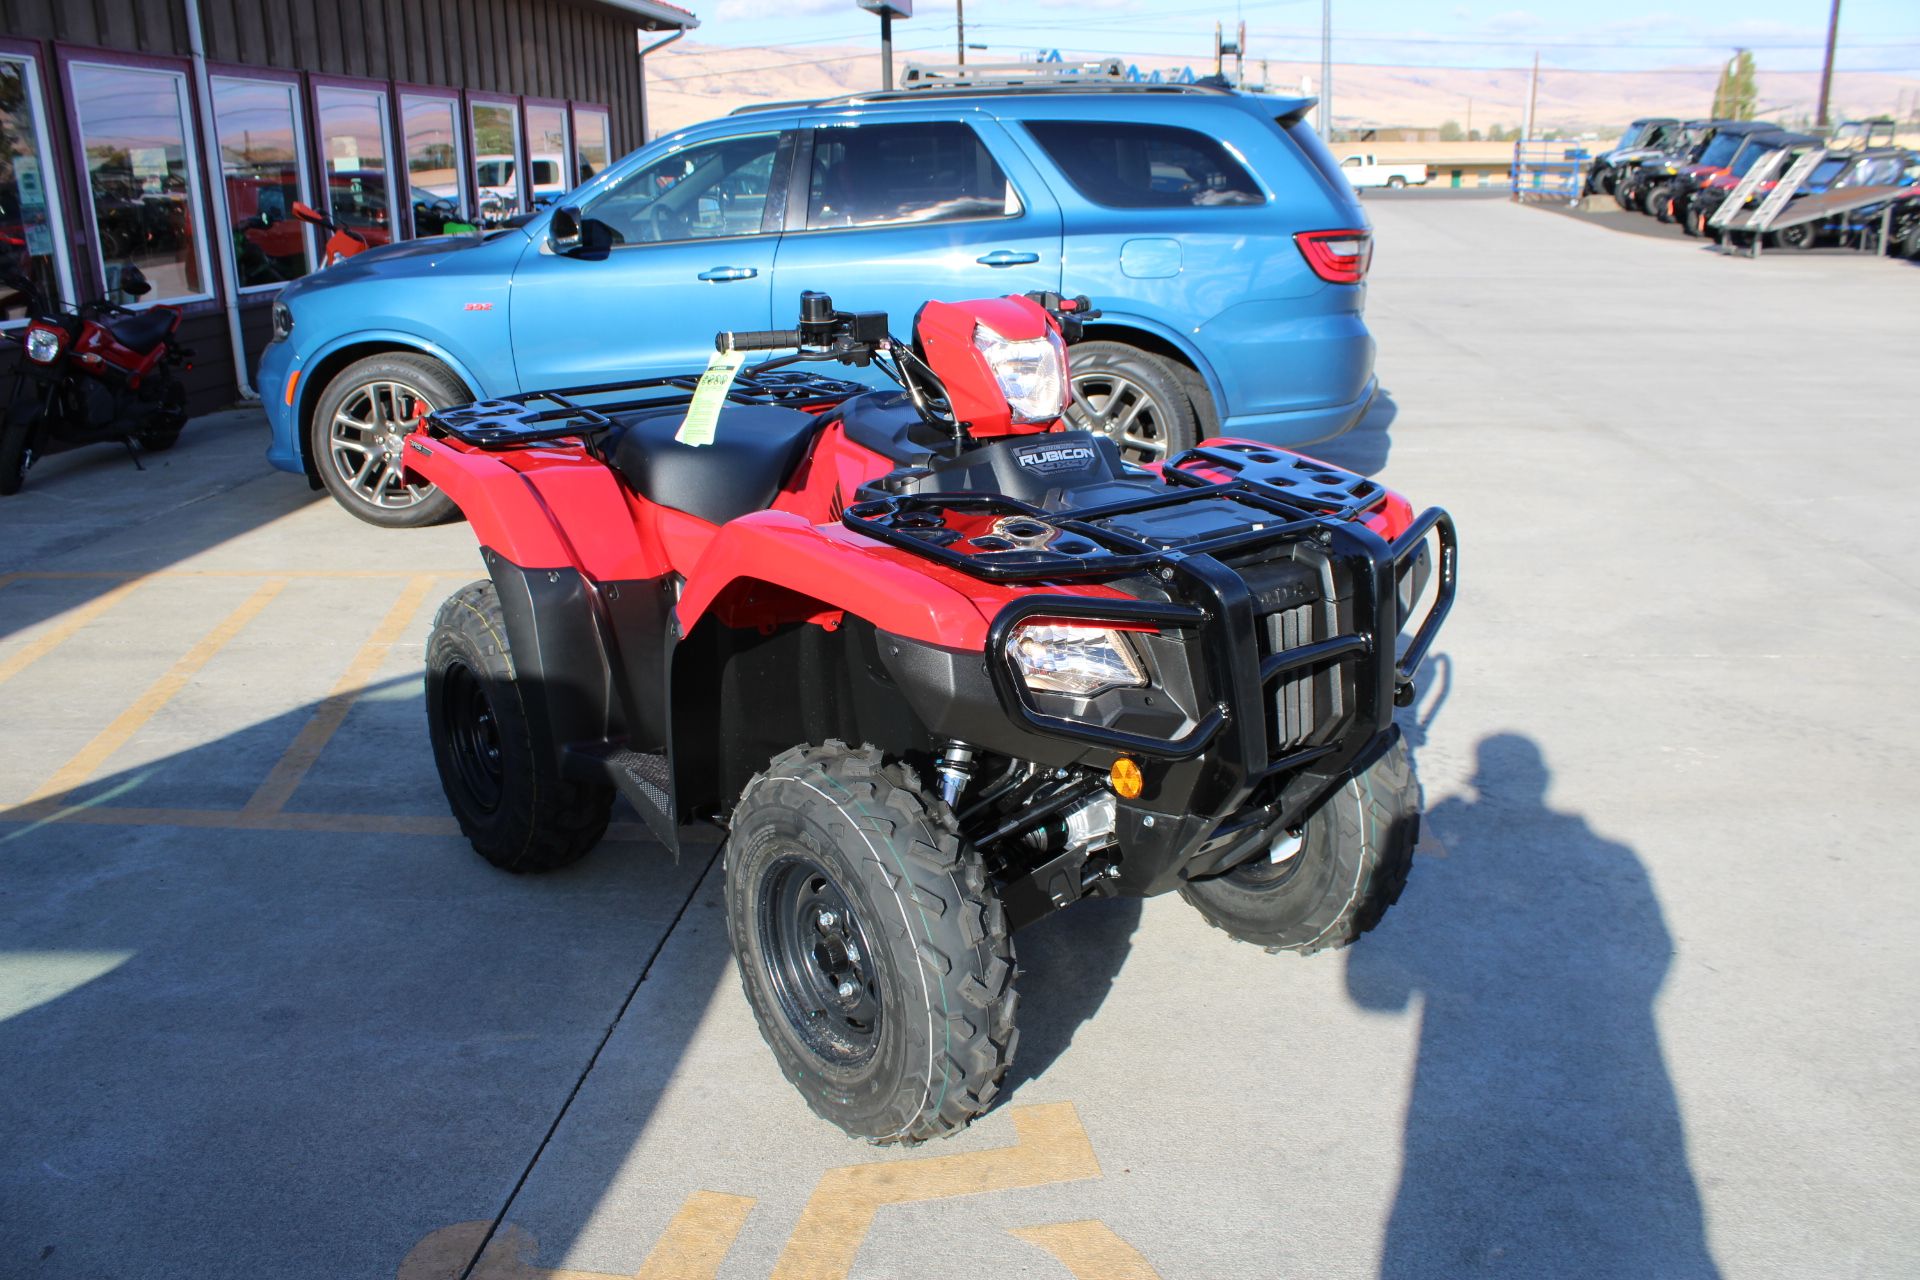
[[755, 448], [142, 330]]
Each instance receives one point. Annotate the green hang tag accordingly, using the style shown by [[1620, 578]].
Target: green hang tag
[[709, 394]]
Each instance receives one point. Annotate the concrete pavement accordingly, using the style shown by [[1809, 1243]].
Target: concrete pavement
[[1647, 1007]]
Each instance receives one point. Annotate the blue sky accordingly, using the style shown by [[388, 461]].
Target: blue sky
[[1585, 34]]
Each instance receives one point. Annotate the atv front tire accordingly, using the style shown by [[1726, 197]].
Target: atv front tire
[[874, 953], [505, 790], [1351, 865]]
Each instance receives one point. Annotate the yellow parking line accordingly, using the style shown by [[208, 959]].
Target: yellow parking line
[[70, 624], [327, 718], [1053, 1147], [158, 694], [1090, 1250], [695, 1243]]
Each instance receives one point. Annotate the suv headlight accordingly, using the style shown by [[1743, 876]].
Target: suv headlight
[[1073, 658], [282, 322], [1032, 372], [43, 345]]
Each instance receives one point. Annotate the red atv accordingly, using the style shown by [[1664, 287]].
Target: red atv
[[937, 665]]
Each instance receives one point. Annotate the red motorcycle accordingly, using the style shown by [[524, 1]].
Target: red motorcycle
[[938, 664], [98, 373]]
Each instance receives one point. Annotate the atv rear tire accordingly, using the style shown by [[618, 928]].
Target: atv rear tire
[[1351, 866], [505, 790], [871, 947]]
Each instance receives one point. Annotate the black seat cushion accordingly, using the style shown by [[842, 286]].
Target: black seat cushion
[[755, 448], [142, 330]]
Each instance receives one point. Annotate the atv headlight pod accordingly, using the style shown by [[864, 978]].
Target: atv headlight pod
[[1032, 372], [43, 344], [1075, 658]]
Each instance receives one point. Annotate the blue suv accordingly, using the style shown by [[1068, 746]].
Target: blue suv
[[1211, 227]]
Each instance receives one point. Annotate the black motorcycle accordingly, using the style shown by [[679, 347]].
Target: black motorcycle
[[91, 375]]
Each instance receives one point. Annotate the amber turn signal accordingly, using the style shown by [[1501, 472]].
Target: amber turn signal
[[1125, 779]]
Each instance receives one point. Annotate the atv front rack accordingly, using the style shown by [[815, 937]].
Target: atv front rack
[[1274, 500], [510, 422]]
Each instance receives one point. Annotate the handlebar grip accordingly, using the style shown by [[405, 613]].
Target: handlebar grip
[[755, 339]]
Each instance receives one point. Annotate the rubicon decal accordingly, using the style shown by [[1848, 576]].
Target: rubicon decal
[[1054, 458]]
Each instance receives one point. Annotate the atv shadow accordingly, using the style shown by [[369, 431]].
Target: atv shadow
[[1543, 1136], [1363, 449], [1068, 963]]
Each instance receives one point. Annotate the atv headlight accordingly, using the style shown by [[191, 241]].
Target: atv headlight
[[1032, 372], [1073, 658], [43, 345]]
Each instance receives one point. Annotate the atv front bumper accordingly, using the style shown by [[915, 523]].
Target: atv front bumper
[[1274, 654]]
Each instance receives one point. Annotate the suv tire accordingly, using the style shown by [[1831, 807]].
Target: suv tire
[[1133, 397], [1351, 866], [506, 793], [871, 947], [355, 436]]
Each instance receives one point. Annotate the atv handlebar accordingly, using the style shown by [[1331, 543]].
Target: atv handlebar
[[756, 339]]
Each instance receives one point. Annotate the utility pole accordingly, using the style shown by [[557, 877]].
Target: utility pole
[[1533, 93], [1326, 70], [886, 49], [1469, 117], [960, 30], [1826, 69]]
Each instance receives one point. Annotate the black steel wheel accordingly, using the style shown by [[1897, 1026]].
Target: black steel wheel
[[504, 788], [1659, 202], [1626, 194], [1799, 238], [358, 430], [1332, 881], [1133, 397], [871, 946]]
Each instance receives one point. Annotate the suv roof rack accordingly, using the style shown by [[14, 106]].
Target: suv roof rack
[[922, 80]]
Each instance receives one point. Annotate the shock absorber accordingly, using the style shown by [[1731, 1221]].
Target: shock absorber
[[956, 771]]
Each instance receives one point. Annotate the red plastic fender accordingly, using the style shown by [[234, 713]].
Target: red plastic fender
[[515, 510]]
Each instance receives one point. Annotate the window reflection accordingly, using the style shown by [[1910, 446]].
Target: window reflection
[[592, 147], [27, 225], [353, 139], [433, 164], [260, 166], [547, 152], [139, 177], [496, 160]]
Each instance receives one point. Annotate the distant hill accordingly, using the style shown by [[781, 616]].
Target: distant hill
[[690, 82]]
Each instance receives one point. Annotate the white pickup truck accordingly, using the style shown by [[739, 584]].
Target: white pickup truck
[[1367, 171]]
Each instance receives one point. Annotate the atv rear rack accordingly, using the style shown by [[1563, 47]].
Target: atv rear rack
[[510, 422]]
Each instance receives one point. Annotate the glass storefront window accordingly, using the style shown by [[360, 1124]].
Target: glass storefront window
[[260, 164], [353, 142], [547, 153], [141, 177], [591, 144], [430, 128], [30, 241], [496, 160]]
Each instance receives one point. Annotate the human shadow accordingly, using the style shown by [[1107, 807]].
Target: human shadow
[[1543, 1137], [1363, 449]]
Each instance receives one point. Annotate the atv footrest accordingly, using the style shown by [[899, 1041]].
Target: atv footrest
[[645, 779]]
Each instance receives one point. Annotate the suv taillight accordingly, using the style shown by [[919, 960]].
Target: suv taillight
[[1338, 257]]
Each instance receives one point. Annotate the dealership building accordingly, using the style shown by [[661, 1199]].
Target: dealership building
[[175, 136]]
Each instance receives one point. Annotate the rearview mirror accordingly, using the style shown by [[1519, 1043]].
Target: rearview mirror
[[576, 237]]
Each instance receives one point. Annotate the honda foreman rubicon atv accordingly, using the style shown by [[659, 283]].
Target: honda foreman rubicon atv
[[936, 664]]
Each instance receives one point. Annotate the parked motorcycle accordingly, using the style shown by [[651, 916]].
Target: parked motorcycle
[[89, 375]]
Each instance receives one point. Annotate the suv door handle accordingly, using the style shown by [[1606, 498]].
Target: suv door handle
[[1006, 258], [729, 273]]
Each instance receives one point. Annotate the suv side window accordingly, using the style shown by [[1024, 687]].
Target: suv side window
[[706, 191], [1145, 166], [881, 174]]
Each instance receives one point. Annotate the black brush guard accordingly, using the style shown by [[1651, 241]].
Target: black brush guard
[[1253, 784]]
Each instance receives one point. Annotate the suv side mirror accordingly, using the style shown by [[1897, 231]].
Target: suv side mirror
[[576, 237]]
